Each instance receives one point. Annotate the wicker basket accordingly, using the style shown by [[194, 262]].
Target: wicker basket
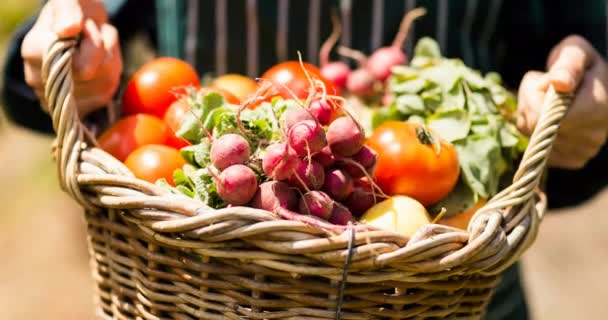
[[157, 255]]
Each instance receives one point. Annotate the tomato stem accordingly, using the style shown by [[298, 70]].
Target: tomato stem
[[426, 137]]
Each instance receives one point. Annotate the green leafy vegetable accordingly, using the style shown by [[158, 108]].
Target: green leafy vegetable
[[211, 118], [466, 108], [452, 125]]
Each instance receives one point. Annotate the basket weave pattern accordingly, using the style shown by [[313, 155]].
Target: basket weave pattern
[[157, 255]]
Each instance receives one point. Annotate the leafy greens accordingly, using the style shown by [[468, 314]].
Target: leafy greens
[[471, 111]]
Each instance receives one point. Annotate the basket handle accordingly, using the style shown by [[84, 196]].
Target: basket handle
[[72, 136], [58, 96], [517, 203]]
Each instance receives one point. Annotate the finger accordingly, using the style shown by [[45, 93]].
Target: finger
[[32, 75], [68, 18], [568, 61], [31, 47], [574, 149], [92, 103], [39, 92], [95, 10], [116, 63], [572, 155], [563, 160], [530, 99], [90, 55], [587, 109], [34, 44], [97, 86], [591, 139], [113, 57]]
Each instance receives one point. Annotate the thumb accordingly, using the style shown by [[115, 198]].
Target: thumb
[[68, 18], [568, 62]]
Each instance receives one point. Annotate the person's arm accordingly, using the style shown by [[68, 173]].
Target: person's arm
[[580, 151], [21, 105], [20, 101]]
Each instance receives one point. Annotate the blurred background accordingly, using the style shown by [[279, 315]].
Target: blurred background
[[44, 270]]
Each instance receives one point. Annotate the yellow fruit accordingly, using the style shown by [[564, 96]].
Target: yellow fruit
[[400, 214], [240, 86], [461, 220]]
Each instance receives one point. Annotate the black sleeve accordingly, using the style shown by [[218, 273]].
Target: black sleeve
[[566, 188], [19, 101], [529, 36]]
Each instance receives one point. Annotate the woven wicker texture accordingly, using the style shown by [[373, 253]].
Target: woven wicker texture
[[157, 255]]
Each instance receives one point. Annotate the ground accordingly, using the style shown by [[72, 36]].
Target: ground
[[44, 273]]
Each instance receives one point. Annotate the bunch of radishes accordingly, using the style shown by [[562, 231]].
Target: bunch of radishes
[[368, 80], [319, 172]]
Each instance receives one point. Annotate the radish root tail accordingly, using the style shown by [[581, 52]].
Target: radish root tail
[[406, 23], [356, 55], [331, 40]]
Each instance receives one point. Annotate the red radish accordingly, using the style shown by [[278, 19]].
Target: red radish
[[229, 149], [384, 59], [325, 157], [296, 115], [360, 82], [338, 184], [367, 157], [311, 174], [307, 137], [363, 182], [360, 200], [350, 168], [316, 203], [322, 111], [237, 185], [336, 71], [279, 161], [274, 195], [279, 198], [345, 137], [340, 215]]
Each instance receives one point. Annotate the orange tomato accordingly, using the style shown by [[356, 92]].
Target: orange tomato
[[410, 164], [173, 118], [241, 86], [132, 132], [461, 220], [156, 85], [153, 162], [291, 75], [230, 98]]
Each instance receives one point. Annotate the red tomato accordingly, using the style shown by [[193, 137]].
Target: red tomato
[[292, 75], [410, 164], [156, 85], [241, 86], [153, 162], [132, 132], [173, 118]]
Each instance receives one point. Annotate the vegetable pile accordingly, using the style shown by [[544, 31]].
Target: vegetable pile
[[440, 136], [467, 110], [368, 80], [286, 156]]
